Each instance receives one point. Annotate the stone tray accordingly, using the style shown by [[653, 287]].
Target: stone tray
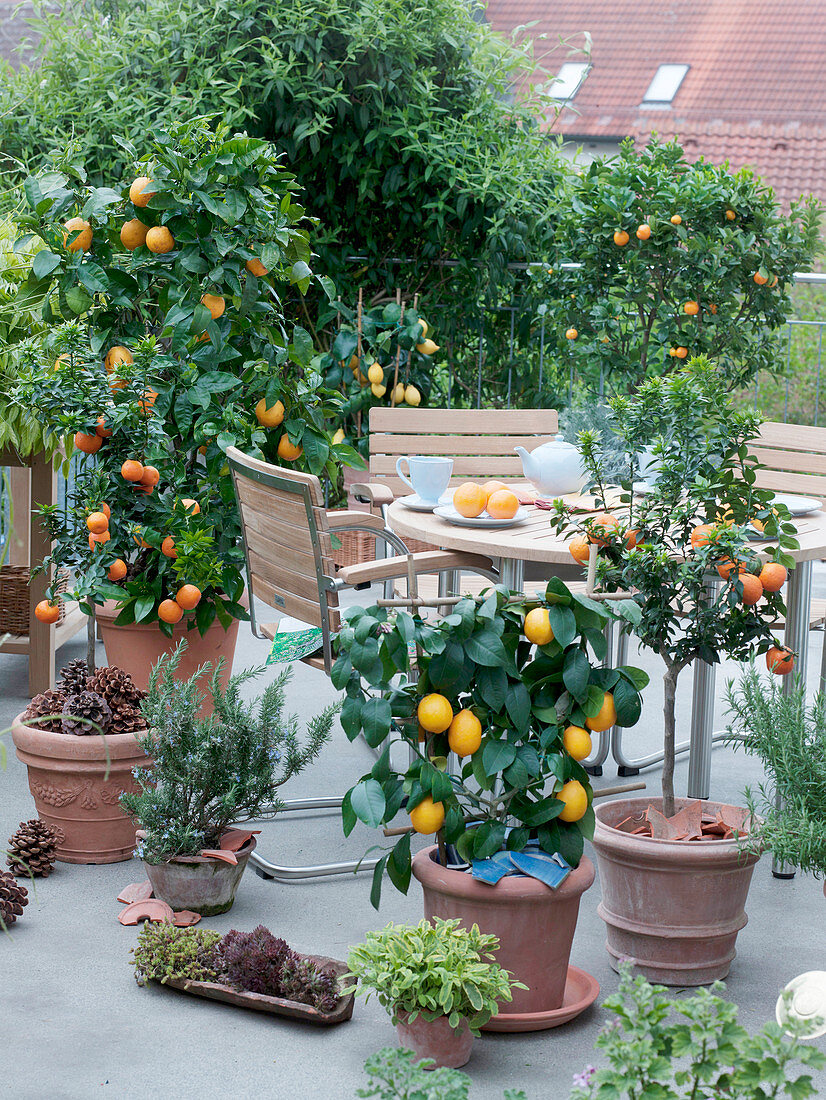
[[276, 1006]]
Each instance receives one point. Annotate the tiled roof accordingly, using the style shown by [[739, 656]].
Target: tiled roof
[[754, 94]]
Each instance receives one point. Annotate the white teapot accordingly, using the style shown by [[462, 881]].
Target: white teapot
[[555, 468]]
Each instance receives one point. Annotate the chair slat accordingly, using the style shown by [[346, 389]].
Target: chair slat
[[469, 466], [451, 444], [793, 437], [802, 462], [308, 611], [461, 421], [278, 572], [783, 482]]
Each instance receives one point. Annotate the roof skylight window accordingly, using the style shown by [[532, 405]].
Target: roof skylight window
[[569, 79], [666, 84]]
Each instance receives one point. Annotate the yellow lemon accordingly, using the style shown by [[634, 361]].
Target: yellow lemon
[[537, 626], [378, 391], [427, 347], [338, 437], [434, 713], [607, 715], [425, 327], [575, 797], [577, 742], [412, 396], [429, 816], [269, 417], [375, 374], [398, 394], [465, 733]]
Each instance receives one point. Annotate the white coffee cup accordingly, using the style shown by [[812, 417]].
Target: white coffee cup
[[429, 475]]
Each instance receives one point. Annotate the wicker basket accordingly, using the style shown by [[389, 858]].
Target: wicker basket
[[359, 546], [14, 598]]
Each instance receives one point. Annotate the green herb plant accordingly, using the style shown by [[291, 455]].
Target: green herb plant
[[396, 1074], [215, 771], [432, 969], [165, 953]]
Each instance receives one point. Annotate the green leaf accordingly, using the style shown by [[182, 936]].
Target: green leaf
[[518, 704], [351, 717], [368, 802], [492, 686], [489, 838], [348, 816], [375, 889], [576, 673], [144, 606], [44, 263], [485, 648], [563, 624], [376, 718], [497, 755], [627, 702]]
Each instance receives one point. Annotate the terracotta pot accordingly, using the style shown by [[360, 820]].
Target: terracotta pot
[[137, 647], [535, 926], [436, 1039], [673, 907], [76, 788], [204, 884]]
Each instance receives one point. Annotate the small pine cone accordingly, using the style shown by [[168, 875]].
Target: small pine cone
[[48, 702], [13, 897], [90, 706], [126, 719], [74, 677], [33, 847], [116, 687]]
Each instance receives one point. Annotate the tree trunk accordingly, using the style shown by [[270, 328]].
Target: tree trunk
[[91, 639], [669, 722]]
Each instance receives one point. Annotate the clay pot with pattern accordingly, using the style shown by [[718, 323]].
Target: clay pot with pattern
[[76, 783]]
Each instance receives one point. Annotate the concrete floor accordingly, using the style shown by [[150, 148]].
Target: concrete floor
[[74, 1024]]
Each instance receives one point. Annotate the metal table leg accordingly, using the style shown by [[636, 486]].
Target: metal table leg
[[512, 573]]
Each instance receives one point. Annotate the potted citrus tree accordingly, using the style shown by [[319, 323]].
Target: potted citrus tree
[[168, 341], [700, 591], [510, 687]]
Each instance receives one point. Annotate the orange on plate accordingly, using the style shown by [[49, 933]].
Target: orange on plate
[[470, 500], [503, 504]]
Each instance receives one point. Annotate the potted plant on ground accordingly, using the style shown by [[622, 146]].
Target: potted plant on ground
[[438, 981], [80, 745], [789, 738], [700, 591], [397, 1074], [210, 773], [508, 685]]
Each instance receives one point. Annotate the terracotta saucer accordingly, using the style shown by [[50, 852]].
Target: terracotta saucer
[[581, 990]]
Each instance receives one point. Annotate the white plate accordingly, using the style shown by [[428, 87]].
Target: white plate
[[642, 488], [448, 512], [798, 506], [416, 504]]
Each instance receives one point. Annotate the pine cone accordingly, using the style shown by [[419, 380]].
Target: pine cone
[[116, 687], [74, 677], [13, 897], [88, 705], [48, 702], [126, 719], [32, 848]]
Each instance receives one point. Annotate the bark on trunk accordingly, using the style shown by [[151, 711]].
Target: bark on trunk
[[669, 720], [91, 639]]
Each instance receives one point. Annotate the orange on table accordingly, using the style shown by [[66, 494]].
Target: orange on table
[[493, 486], [255, 267], [470, 499], [215, 304], [97, 522], [89, 444], [503, 504], [47, 612], [117, 354], [575, 797], [83, 241], [170, 612], [434, 713], [101, 429], [117, 570], [752, 589], [133, 234], [159, 240], [464, 735], [288, 450], [603, 524], [779, 660], [139, 194], [269, 417], [773, 576], [580, 549], [168, 547], [131, 470], [606, 716], [188, 597], [192, 507]]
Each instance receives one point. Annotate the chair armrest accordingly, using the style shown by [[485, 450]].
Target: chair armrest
[[347, 520], [430, 561], [373, 493]]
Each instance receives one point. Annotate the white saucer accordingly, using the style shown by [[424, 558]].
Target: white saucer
[[798, 506], [448, 512], [416, 504]]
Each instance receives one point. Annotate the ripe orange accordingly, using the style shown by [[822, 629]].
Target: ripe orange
[[621, 238], [773, 576], [170, 612], [133, 234], [503, 504], [631, 538], [752, 589], [255, 267], [89, 444], [643, 231], [579, 548], [603, 525], [434, 713], [730, 215], [464, 735], [681, 352], [138, 539], [571, 334], [470, 499], [701, 535], [107, 511], [168, 547], [147, 401], [83, 241], [117, 570], [150, 476], [65, 358], [139, 192], [97, 522], [192, 507], [159, 240], [779, 660], [712, 308], [47, 612], [575, 797], [287, 450], [428, 817], [215, 304], [101, 428], [691, 308], [131, 470], [759, 279], [98, 540], [269, 417], [115, 355], [188, 597], [606, 717], [773, 283], [676, 219], [491, 487], [577, 742], [727, 567]]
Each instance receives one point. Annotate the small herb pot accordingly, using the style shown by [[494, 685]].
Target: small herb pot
[[204, 884], [436, 1039]]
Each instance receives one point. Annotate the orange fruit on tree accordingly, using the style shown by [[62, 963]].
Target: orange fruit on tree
[[89, 444], [107, 511], [140, 192], [606, 717], [168, 547], [779, 660], [47, 612], [491, 487], [150, 476], [631, 538], [537, 626], [730, 215], [773, 576], [621, 238], [643, 231], [101, 429], [603, 525], [752, 589], [577, 742], [675, 219], [131, 470], [470, 499], [191, 507], [133, 234], [726, 567], [117, 570], [98, 540], [691, 308], [83, 241], [701, 535], [288, 450], [215, 304], [188, 596], [255, 267], [428, 816], [97, 522], [712, 308], [759, 279], [580, 549], [115, 355], [159, 240], [681, 352], [503, 504], [170, 612], [464, 735], [575, 797], [65, 358], [434, 713], [269, 417], [571, 334]]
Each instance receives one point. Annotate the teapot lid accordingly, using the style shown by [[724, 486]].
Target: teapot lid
[[559, 443]]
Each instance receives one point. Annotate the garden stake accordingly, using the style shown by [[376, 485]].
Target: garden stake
[[399, 302]]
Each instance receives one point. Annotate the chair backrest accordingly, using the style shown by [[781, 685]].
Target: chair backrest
[[480, 441], [795, 459], [286, 540]]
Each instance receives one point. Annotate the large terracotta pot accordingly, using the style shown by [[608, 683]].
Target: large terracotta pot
[[436, 1039], [204, 884], [135, 648], [673, 907], [535, 926], [76, 788]]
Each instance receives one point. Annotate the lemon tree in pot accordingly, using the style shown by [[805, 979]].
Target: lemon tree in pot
[[210, 773], [701, 591], [512, 687]]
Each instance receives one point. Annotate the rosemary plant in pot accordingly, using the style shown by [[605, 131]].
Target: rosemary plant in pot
[[510, 687], [701, 590], [211, 773]]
